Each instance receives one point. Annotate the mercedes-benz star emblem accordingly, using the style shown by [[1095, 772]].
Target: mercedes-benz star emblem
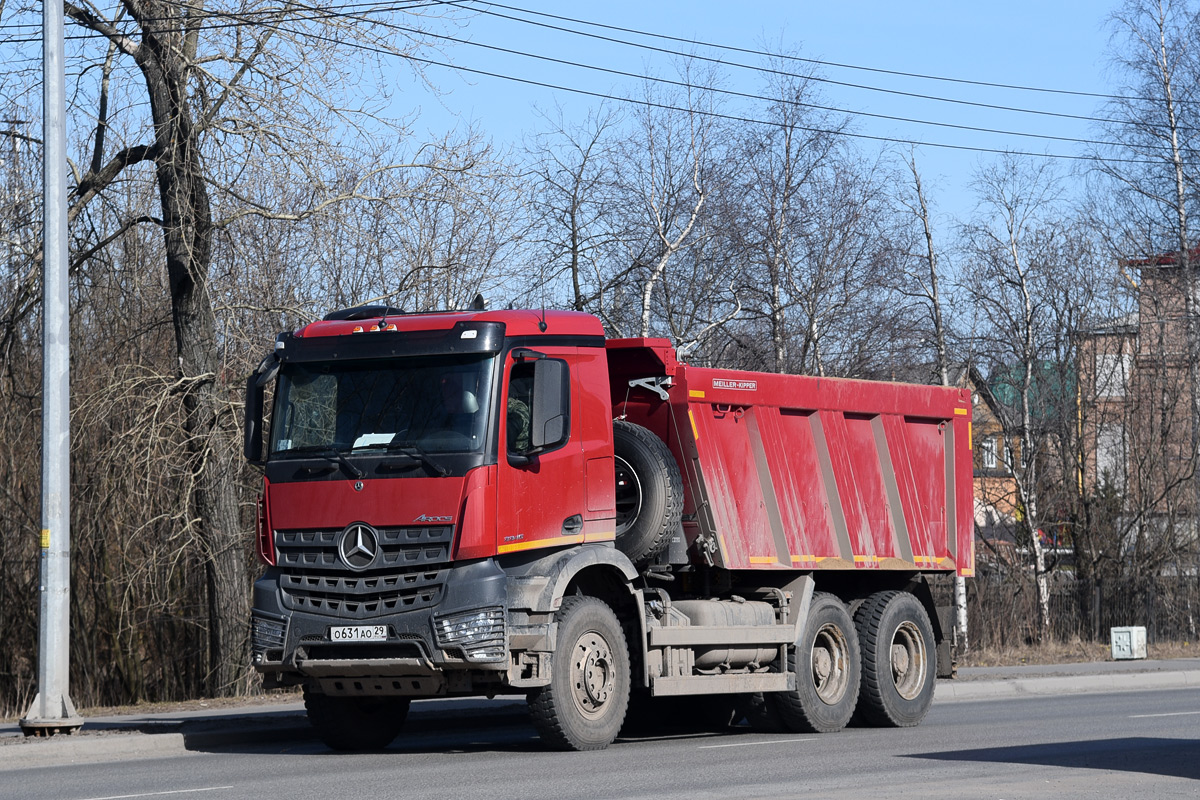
[[358, 546]]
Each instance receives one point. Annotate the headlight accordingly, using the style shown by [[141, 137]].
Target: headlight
[[266, 633], [479, 634]]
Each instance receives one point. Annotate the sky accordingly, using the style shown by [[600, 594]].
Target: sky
[[1052, 45]]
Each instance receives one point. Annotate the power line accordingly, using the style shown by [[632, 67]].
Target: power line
[[745, 95], [338, 10], [460, 4], [766, 123], [816, 61], [784, 73], [663, 106], [511, 51], [750, 96], [319, 12]]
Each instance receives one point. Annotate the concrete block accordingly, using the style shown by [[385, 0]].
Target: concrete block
[[1128, 642]]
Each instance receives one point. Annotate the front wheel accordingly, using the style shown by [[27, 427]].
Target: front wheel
[[898, 667], [355, 723], [584, 704]]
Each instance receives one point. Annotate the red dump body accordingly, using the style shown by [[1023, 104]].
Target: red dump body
[[798, 472]]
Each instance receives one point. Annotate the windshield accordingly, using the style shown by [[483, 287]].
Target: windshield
[[435, 403]]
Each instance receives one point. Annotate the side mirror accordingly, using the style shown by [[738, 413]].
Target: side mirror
[[267, 369], [551, 403], [253, 446]]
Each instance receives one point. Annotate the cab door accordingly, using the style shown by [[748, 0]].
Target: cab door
[[541, 492]]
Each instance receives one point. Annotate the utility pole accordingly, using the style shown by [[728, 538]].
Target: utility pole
[[52, 710]]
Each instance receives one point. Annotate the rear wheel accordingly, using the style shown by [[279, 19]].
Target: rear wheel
[[584, 704], [355, 723], [827, 664], [898, 660]]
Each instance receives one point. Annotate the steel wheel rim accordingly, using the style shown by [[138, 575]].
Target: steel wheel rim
[[593, 676], [830, 663], [629, 495], [909, 660]]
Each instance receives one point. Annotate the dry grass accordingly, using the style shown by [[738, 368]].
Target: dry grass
[[1068, 653], [260, 699]]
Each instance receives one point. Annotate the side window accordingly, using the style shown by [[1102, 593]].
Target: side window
[[520, 406], [538, 406]]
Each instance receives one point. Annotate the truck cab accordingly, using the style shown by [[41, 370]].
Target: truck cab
[[405, 454]]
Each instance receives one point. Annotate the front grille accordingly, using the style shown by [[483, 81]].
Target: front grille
[[409, 572], [399, 548]]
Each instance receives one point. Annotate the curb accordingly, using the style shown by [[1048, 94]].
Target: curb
[[156, 738], [85, 748], [950, 691]]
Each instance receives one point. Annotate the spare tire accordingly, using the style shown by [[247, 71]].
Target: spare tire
[[649, 492]]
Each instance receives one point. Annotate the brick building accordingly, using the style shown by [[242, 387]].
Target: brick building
[[1137, 403]]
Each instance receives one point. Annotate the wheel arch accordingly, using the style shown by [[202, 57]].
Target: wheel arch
[[597, 571], [919, 588], [541, 585]]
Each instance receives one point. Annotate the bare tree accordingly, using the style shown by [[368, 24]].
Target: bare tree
[[210, 93], [665, 173], [1015, 246], [575, 229], [780, 162], [919, 278]]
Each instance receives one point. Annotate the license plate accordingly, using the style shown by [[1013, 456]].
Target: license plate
[[358, 633]]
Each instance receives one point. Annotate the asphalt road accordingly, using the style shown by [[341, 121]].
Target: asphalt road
[[1125, 744]]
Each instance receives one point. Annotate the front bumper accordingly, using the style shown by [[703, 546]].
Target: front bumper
[[463, 629]]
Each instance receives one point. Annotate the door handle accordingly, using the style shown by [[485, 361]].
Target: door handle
[[572, 525]]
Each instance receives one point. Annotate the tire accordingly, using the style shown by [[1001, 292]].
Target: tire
[[649, 492], [584, 704], [828, 664], [356, 723], [899, 660]]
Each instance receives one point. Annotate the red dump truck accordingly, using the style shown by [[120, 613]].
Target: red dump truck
[[506, 502]]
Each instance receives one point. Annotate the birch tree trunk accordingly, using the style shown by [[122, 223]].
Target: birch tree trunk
[[934, 297]]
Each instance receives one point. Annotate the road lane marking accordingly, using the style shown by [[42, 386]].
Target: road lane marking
[[160, 794], [752, 744], [1171, 714]]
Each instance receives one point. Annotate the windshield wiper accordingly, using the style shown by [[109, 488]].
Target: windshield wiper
[[410, 449], [328, 452]]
